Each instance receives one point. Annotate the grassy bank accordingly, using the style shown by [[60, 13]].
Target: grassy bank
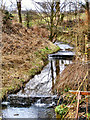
[[67, 39], [24, 54]]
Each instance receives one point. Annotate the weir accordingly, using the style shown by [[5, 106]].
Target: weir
[[66, 55], [38, 96]]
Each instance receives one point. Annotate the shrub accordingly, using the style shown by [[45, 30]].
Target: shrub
[[61, 110], [7, 17]]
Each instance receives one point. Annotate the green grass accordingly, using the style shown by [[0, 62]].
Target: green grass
[[71, 17]]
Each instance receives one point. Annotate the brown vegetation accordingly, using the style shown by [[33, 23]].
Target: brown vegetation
[[72, 76], [23, 55]]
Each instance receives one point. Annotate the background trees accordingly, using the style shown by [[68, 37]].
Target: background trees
[[30, 15], [50, 13], [54, 13]]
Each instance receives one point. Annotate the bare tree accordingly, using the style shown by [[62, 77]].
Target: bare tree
[[87, 9], [88, 16], [88, 21], [19, 10], [50, 12], [53, 13], [29, 16]]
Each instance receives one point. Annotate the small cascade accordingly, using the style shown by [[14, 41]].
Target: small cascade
[[38, 99], [39, 103]]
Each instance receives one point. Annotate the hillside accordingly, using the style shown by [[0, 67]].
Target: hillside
[[23, 55]]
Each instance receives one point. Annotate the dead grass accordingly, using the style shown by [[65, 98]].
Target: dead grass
[[23, 55], [72, 76]]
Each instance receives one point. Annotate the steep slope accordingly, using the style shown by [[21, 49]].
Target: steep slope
[[23, 55]]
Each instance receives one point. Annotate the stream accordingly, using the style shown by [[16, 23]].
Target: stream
[[38, 99]]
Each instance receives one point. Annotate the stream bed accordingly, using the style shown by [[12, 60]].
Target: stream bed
[[38, 99]]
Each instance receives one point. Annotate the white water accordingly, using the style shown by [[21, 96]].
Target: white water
[[39, 85]]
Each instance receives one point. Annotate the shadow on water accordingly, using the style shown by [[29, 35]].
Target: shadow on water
[[38, 99], [57, 66]]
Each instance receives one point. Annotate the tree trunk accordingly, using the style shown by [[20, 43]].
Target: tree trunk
[[88, 40], [88, 48], [88, 18], [51, 22], [19, 11], [27, 19], [57, 18]]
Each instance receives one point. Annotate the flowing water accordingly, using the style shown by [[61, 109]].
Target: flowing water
[[38, 99]]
